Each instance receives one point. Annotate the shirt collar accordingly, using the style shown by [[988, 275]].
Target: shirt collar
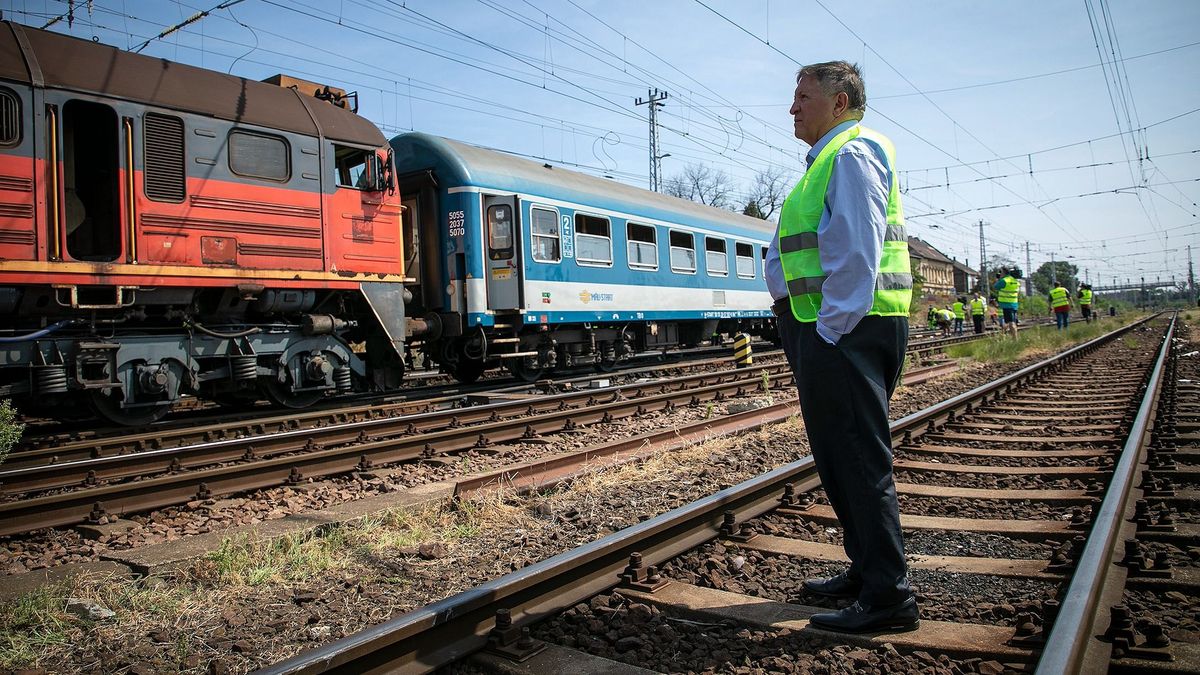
[[816, 149]]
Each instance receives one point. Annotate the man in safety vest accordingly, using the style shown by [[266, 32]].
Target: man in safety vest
[[838, 270], [945, 320], [1008, 291], [1060, 304], [1085, 301], [960, 315], [978, 309]]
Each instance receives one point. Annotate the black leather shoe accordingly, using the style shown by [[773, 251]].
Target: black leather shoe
[[857, 618], [840, 586]]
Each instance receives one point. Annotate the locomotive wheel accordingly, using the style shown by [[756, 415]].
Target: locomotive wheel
[[604, 365], [282, 396], [466, 370], [109, 408], [524, 373]]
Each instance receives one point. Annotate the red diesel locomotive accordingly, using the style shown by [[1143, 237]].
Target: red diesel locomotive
[[166, 230]]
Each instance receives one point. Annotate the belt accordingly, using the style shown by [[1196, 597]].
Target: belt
[[781, 306]]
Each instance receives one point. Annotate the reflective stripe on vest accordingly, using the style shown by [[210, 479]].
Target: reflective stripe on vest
[[1058, 297], [798, 246], [958, 311], [977, 307], [1008, 294], [1085, 296]]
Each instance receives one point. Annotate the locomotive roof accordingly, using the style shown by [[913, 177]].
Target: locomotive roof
[[460, 164], [69, 63]]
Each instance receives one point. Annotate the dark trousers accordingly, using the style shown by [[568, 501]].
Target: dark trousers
[[978, 319], [844, 392]]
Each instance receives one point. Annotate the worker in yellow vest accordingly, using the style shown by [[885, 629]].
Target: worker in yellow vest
[[1008, 292], [1085, 301], [1060, 304], [945, 320], [960, 314], [838, 270], [978, 310]]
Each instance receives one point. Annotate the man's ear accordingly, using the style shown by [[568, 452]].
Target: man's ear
[[841, 103]]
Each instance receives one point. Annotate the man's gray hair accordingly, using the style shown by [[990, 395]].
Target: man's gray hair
[[838, 76]]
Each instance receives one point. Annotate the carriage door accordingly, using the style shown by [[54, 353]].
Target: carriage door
[[91, 181], [502, 232]]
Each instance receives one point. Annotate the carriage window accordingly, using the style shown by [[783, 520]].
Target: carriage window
[[643, 247], [593, 241], [500, 232], [165, 177], [544, 236], [683, 252], [715, 257], [350, 167], [10, 117], [258, 156], [745, 260]]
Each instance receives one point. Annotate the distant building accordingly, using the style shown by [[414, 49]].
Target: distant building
[[933, 266], [965, 278]]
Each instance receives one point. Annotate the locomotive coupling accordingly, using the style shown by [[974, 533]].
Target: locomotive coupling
[[323, 324]]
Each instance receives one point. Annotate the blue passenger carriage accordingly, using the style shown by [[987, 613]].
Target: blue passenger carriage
[[533, 267]]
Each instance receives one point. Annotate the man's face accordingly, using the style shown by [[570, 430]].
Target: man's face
[[813, 111]]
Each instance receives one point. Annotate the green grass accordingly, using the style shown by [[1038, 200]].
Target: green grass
[[1002, 349], [33, 623], [36, 624], [289, 558]]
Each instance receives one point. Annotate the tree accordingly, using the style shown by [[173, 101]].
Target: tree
[[753, 211], [767, 192], [700, 183], [10, 429], [1062, 270]]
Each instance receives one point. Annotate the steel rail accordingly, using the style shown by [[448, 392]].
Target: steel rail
[[178, 488], [451, 629], [22, 476], [1072, 635]]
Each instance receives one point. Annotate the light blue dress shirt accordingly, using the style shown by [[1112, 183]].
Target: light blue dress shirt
[[850, 234]]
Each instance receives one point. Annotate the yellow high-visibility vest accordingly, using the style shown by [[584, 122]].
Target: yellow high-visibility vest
[[1058, 297], [798, 247]]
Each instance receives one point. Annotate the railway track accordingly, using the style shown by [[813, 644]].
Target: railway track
[[1033, 453], [203, 424], [62, 486]]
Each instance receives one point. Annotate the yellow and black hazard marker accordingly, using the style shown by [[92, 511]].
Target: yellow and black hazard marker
[[742, 354]]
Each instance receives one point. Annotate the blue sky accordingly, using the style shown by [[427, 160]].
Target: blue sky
[[557, 79]]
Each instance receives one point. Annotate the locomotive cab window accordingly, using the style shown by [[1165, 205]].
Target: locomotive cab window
[[10, 117], [544, 236], [643, 247], [593, 240], [350, 167], [258, 155], [683, 252], [745, 260], [500, 232]]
